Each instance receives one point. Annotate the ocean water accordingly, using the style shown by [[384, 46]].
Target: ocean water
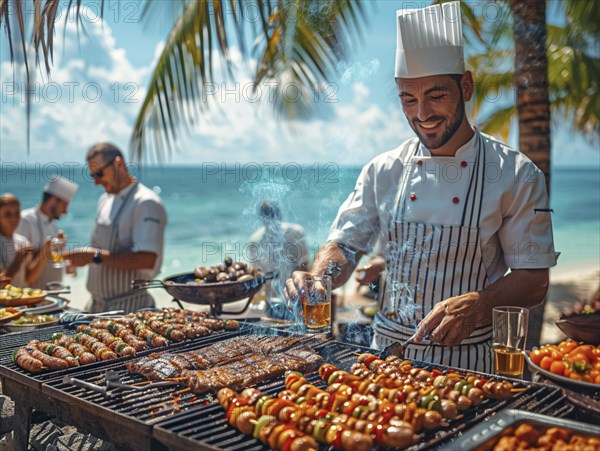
[[212, 208]]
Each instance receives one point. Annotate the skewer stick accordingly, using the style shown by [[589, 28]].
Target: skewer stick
[[141, 384], [518, 390], [181, 392]]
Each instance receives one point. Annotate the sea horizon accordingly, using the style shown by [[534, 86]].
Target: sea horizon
[[212, 212]]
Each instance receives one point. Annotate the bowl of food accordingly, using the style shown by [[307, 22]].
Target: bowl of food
[[11, 296], [581, 323], [9, 314], [30, 322], [212, 285]]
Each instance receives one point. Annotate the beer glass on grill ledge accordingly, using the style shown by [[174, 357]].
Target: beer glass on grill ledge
[[508, 339]]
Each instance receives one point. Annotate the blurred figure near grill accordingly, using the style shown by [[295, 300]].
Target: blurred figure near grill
[[128, 237], [279, 246], [20, 264], [39, 224]]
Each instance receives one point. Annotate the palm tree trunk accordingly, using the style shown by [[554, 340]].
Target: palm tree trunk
[[533, 104], [531, 80]]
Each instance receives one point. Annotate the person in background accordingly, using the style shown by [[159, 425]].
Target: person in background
[[39, 223], [20, 265], [128, 237], [464, 220], [280, 247]]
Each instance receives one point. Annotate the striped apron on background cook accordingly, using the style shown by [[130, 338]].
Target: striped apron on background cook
[[427, 263], [111, 287]]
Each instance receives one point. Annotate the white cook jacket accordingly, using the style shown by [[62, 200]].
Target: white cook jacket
[[37, 227], [515, 225]]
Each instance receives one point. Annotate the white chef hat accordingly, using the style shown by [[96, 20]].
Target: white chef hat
[[62, 188], [429, 41]]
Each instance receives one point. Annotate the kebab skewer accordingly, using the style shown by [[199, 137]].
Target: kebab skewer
[[327, 427], [362, 407]]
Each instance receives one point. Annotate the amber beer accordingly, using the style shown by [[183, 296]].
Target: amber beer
[[316, 304], [508, 361], [316, 315], [56, 257]]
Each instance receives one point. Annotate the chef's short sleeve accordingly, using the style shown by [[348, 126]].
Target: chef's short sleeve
[[357, 222], [526, 231], [148, 227]]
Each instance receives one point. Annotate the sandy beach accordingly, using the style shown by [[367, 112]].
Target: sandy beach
[[568, 283]]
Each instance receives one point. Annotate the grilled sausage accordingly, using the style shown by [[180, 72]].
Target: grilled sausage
[[55, 351], [79, 351], [52, 363], [26, 361]]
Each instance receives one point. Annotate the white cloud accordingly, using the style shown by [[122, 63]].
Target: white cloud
[[92, 94]]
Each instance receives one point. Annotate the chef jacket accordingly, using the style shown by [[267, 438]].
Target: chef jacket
[[515, 224], [141, 224], [37, 227]]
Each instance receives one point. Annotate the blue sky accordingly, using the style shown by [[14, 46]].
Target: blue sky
[[97, 85]]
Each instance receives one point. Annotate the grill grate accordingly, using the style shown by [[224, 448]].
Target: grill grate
[[209, 428], [11, 342], [184, 420], [152, 405]]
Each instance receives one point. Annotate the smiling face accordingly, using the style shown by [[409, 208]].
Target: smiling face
[[435, 109]]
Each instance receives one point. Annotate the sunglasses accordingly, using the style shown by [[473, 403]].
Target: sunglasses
[[100, 172]]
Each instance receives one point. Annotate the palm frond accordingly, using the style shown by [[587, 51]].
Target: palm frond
[[498, 124], [492, 88], [297, 43]]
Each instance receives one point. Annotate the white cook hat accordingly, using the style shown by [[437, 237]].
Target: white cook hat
[[62, 188], [429, 41]]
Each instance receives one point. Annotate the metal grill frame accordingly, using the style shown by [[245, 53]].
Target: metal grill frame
[[72, 405]]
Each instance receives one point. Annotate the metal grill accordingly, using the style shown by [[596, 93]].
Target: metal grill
[[150, 406], [182, 420], [208, 428], [11, 342]]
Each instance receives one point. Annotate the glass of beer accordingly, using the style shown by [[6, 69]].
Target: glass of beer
[[508, 339], [57, 247], [316, 304]]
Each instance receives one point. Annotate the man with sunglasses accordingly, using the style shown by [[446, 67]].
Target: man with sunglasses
[[128, 237]]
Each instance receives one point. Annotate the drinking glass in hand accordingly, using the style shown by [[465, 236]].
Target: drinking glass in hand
[[508, 339], [316, 304], [57, 247]]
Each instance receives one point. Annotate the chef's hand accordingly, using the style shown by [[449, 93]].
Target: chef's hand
[[80, 257], [369, 273], [452, 320], [295, 287], [23, 252]]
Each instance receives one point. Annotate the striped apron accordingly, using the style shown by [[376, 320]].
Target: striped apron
[[427, 263], [111, 287]]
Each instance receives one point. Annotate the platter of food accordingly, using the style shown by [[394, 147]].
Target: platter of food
[[512, 429], [573, 363], [9, 314], [11, 296], [47, 305], [30, 322], [582, 323]]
